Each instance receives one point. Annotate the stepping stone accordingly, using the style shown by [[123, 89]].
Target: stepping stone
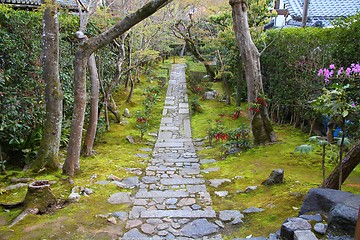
[[134, 234], [120, 215], [204, 161], [179, 181], [120, 198], [199, 228], [142, 155], [133, 224], [208, 170], [148, 228], [178, 214], [161, 194], [253, 210], [218, 182], [186, 202], [149, 179], [129, 182], [230, 215], [221, 193]]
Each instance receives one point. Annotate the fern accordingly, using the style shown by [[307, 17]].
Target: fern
[[305, 148]]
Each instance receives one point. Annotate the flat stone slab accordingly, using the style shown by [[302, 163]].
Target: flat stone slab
[[119, 198], [221, 193], [204, 161], [196, 188], [253, 210], [182, 160], [304, 235], [180, 181], [161, 194], [150, 179], [217, 182], [208, 170], [178, 214], [229, 215], [134, 234], [199, 228]]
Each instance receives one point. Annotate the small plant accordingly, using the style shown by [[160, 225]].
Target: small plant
[[195, 105], [142, 123]]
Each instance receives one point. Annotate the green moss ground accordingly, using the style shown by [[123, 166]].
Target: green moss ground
[[114, 154], [302, 172]]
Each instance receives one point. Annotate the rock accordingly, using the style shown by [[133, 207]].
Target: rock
[[133, 223], [120, 215], [148, 228], [208, 170], [88, 191], [221, 193], [199, 228], [130, 182], [323, 200], [320, 228], [74, 197], [343, 218], [250, 189], [130, 139], [276, 177], [253, 210], [112, 220], [126, 113], [186, 202], [209, 95], [171, 201], [15, 186], [304, 235], [150, 179], [219, 223], [315, 217], [112, 177], [195, 207], [230, 215], [291, 225], [342, 207], [217, 182], [120, 198], [204, 161], [134, 234]]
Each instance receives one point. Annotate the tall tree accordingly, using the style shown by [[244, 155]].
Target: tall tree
[[85, 49], [260, 123], [85, 13], [48, 155]]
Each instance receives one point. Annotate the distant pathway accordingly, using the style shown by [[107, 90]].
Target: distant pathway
[[172, 202]]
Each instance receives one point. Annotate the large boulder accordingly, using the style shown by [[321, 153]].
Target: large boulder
[[342, 207], [276, 177]]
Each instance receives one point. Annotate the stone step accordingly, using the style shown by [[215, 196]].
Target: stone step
[[182, 181], [162, 194], [178, 214]]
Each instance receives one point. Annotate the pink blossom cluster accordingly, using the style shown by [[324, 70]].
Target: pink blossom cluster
[[354, 69]]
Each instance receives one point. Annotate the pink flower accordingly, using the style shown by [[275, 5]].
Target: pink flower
[[348, 71], [332, 66], [320, 72], [340, 71]]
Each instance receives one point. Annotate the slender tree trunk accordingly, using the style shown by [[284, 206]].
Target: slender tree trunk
[[330, 131], [113, 109], [183, 50], [82, 55], [260, 122], [132, 86], [349, 162], [48, 155], [94, 108]]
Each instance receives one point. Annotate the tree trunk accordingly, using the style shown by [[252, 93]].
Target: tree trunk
[[94, 108], [82, 55], [239, 79], [349, 162], [132, 86], [260, 122], [111, 105], [48, 155], [330, 131]]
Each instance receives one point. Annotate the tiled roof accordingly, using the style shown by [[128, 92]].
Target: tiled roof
[[33, 3], [323, 9]]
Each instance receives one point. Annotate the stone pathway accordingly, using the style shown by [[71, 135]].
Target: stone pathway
[[172, 202]]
